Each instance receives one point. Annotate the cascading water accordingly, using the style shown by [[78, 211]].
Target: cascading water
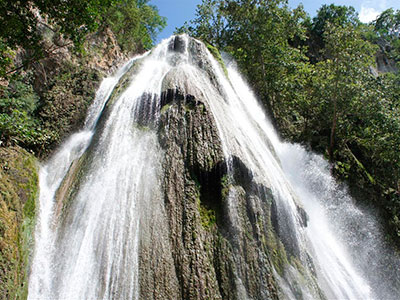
[[101, 194]]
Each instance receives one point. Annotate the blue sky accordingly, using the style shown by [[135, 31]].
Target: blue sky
[[179, 11]]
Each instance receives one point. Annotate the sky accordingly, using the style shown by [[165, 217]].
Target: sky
[[179, 11]]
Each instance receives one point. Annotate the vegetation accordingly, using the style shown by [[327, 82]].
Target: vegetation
[[17, 105], [314, 76], [21, 21], [36, 111], [134, 21], [18, 191]]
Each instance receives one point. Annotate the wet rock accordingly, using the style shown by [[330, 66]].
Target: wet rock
[[303, 216], [210, 258], [284, 225], [178, 44]]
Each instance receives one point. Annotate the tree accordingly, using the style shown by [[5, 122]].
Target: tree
[[134, 20], [387, 25], [387, 29], [19, 22], [135, 23], [210, 24], [347, 66], [339, 15]]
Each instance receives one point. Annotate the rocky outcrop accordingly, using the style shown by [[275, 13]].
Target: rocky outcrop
[[215, 250], [103, 52], [18, 192], [384, 62]]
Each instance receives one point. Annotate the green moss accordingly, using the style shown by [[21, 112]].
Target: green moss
[[279, 258], [226, 185], [274, 247], [165, 108], [217, 55], [31, 188], [141, 127], [207, 216], [19, 186], [123, 83]]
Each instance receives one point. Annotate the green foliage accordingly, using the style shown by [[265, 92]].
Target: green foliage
[[387, 24], [210, 23], [6, 58], [74, 19], [342, 16], [135, 24], [346, 70], [328, 15], [386, 29], [39, 122], [20, 22], [257, 34], [17, 105]]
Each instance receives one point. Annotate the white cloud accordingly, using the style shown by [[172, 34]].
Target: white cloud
[[368, 14]]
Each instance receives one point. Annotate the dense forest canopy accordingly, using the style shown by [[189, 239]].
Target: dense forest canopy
[[318, 80]]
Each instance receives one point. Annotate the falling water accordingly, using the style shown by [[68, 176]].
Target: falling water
[[90, 250]]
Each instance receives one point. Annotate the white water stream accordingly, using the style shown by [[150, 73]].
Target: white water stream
[[94, 254]]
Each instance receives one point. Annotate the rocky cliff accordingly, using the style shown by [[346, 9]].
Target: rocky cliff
[[211, 257], [207, 256]]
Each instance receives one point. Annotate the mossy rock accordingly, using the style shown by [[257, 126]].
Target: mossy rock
[[18, 194], [217, 55], [64, 104]]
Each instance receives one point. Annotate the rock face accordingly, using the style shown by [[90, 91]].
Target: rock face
[[384, 63], [210, 258], [210, 253], [66, 81], [104, 52], [18, 191]]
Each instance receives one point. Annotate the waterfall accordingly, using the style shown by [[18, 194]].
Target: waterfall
[[105, 207]]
